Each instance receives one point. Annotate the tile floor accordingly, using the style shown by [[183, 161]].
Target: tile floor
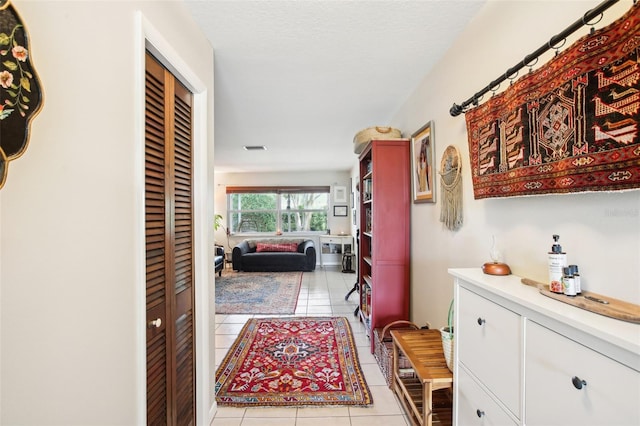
[[322, 293]]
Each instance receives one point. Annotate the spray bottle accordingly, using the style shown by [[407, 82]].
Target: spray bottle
[[557, 261]]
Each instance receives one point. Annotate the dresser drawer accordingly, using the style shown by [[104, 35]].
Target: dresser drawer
[[489, 339], [611, 395], [475, 407], [331, 240]]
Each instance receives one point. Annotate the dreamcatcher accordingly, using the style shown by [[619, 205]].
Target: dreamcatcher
[[451, 188]]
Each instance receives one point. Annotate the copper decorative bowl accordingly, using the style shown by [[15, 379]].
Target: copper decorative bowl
[[496, 268]]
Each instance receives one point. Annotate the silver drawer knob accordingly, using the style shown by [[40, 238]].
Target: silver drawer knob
[[481, 321]]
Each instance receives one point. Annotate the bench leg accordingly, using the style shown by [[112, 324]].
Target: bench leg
[[427, 403]]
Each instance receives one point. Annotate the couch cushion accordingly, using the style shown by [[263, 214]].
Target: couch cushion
[[287, 247], [253, 243], [274, 262]]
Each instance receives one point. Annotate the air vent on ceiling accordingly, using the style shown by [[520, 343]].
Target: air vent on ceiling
[[255, 148]]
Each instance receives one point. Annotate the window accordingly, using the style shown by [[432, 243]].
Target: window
[[273, 209]]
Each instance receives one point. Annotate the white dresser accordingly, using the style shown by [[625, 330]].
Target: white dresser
[[522, 358]]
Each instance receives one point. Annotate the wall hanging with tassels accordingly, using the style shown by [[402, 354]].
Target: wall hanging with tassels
[[451, 188]]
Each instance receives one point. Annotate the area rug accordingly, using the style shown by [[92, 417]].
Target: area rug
[[257, 292], [570, 126], [294, 362]]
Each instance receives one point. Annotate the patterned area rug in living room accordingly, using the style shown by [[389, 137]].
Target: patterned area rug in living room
[[257, 292], [293, 361]]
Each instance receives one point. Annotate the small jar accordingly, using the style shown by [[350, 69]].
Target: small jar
[[568, 282], [576, 278]]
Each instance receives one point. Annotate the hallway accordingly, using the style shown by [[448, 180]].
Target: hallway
[[322, 294]]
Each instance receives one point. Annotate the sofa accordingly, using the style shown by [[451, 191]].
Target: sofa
[[274, 255], [218, 260]]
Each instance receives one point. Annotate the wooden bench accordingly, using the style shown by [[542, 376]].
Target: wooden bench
[[416, 387]]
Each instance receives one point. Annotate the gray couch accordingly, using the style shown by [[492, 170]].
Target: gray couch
[[246, 258]]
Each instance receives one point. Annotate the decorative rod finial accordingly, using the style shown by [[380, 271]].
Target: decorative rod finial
[[455, 110]]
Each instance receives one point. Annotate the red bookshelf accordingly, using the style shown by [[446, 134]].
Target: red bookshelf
[[385, 221]]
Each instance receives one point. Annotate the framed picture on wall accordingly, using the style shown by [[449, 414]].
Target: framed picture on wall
[[422, 171], [340, 194], [340, 210]]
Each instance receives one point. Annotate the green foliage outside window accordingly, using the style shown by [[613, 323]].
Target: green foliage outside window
[[270, 212]]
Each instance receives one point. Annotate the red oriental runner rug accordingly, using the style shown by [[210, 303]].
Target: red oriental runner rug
[[570, 126], [292, 361]]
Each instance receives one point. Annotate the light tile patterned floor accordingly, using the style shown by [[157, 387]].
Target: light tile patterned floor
[[322, 293]]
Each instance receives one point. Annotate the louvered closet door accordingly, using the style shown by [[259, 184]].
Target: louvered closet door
[[169, 248], [183, 256]]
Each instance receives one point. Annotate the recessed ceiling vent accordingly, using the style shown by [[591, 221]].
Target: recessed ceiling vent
[[255, 148]]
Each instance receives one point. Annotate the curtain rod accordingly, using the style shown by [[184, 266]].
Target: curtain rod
[[457, 109]]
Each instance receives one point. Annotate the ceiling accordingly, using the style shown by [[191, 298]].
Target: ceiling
[[303, 77]]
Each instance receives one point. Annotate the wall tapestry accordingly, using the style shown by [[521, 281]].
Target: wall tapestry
[[20, 97], [570, 126], [451, 188]]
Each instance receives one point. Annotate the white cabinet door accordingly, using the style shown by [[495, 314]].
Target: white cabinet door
[[490, 346], [475, 407], [610, 394], [332, 247]]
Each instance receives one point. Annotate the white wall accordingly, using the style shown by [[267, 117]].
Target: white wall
[[71, 215], [330, 178], [599, 231]]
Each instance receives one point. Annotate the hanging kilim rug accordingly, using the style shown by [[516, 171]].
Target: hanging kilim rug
[[570, 126], [292, 361], [257, 292]]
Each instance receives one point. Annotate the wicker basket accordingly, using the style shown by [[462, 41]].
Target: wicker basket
[[447, 339], [383, 350], [364, 136], [447, 345]]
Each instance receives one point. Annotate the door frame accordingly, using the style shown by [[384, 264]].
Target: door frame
[[148, 38]]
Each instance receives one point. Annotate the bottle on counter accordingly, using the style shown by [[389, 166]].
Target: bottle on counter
[[557, 261], [576, 278], [568, 282]]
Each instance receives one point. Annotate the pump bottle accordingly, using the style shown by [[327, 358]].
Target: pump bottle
[[557, 262]]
